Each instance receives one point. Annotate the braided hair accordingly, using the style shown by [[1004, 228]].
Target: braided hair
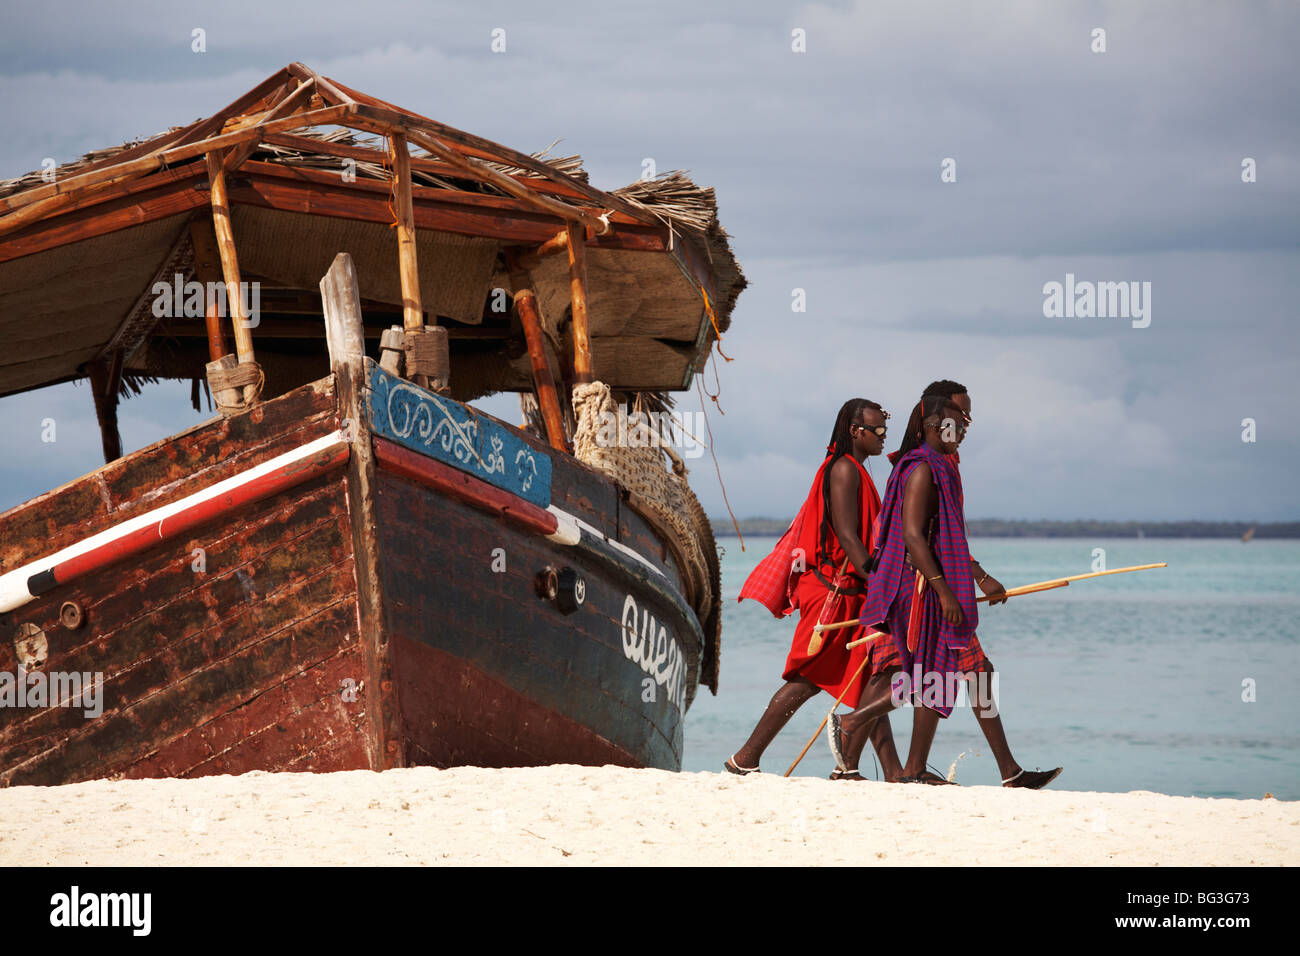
[[942, 392], [841, 444]]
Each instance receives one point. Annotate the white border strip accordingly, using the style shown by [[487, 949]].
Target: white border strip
[[570, 533], [13, 584]]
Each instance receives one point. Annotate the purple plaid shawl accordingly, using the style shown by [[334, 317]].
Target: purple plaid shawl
[[938, 645]]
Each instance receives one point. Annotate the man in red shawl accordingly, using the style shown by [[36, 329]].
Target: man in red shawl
[[820, 566]]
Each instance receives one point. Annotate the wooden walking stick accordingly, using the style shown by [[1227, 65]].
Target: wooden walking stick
[[1062, 582], [1016, 592]]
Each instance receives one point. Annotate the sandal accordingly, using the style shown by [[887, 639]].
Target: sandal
[[838, 774], [732, 767], [1032, 779], [929, 777], [836, 740]]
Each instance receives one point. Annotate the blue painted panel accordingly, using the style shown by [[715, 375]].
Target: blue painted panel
[[459, 436]]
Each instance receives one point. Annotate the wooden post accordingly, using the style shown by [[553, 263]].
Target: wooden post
[[344, 336], [207, 268], [230, 269], [577, 246], [407, 263], [543, 376]]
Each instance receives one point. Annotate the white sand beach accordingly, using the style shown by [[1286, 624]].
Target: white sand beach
[[567, 815]]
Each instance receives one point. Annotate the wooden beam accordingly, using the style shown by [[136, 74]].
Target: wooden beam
[[347, 359], [326, 86], [316, 192], [543, 376], [280, 328], [290, 104], [230, 269], [422, 164], [371, 107], [44, 200], [512, 187], [412, 310], [577, 246], [407, 262], [178, 136], [207, 268]]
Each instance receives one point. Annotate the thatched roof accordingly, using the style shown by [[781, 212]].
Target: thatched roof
[[308, 177]]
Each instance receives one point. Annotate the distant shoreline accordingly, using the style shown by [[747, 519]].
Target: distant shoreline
[[1007, 528]]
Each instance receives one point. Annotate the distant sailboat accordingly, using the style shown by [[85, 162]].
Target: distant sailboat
[[1250, 533]]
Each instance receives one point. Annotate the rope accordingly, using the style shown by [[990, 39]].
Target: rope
[[721, 484], [708, 308], [221, 379], [641, 470]]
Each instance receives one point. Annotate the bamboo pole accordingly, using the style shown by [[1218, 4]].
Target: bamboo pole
[[412, 312], [230, 269], [577, 246]]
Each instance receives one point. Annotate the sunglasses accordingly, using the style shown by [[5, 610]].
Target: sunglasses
[[961, 427], [878, 430]]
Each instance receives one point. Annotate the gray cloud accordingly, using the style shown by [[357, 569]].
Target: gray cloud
[[1115, 166]]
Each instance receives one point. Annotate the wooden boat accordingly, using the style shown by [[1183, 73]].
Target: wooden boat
[[352, 567]]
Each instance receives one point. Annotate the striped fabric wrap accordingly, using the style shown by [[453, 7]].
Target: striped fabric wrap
[[938, 645]]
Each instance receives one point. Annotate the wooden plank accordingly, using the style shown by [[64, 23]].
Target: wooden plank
[[342, 306], [278, 568], [164, 472], [164, 194]]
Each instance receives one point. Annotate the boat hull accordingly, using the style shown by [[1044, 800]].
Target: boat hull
[[351, 620]]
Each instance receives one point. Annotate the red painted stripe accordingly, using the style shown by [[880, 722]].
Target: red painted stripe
[[289, 476], [457, 484]]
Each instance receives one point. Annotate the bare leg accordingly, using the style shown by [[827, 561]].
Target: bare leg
[[924, 723], [990, 722], [882, 739], [871, 720], [793, 695]]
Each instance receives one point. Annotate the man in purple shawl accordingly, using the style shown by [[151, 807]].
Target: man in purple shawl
[[921, 589]]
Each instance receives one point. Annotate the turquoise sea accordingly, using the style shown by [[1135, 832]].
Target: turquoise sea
[[1132, 682]]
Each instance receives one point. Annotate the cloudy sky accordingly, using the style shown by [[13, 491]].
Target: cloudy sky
[[1123, 165]]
